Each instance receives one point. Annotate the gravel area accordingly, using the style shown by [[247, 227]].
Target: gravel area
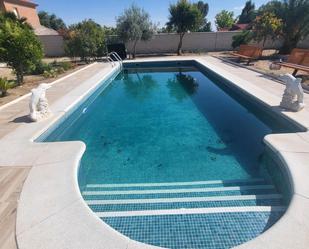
[[263, 64]]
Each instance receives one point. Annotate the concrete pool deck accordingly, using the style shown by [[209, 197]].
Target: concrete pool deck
[[51, 212]]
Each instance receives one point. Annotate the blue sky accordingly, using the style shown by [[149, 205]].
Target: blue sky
[[105, 11]]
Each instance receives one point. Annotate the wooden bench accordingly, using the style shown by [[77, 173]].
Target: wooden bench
[[248, 52], [298, 60]]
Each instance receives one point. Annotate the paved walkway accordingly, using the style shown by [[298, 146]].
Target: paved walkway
[[263, 83], [14, 115], [11, 182], [12, 178]]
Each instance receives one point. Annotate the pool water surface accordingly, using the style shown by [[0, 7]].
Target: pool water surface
[[175, 159]]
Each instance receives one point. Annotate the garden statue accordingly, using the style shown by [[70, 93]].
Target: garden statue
[[39, 108], [293, 97]]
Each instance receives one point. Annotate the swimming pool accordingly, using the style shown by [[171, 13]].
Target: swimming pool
[[175, 158]]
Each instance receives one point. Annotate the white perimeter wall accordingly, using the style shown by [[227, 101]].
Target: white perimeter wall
[[195, 42], [53, 45]]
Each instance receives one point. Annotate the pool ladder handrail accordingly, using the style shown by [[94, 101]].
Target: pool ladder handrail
[[118, 58], [110, 60]]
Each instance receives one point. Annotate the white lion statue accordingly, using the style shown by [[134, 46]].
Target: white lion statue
[[39, 107], [293, 97]]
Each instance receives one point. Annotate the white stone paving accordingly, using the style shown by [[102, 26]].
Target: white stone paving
[[52, 213]]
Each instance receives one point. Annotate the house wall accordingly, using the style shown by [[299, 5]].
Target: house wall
[[52, 42], [53, 45], [25, 9], [197, 42]]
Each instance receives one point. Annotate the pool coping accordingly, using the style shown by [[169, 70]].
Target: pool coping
[[51, 205]]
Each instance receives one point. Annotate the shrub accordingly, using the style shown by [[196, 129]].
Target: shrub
[[39, 68], [243, 38], [60, 70], [85, 40], [52, 73], [51, 70], [66, 65], [56, 69], [5, 85], [19, 46]]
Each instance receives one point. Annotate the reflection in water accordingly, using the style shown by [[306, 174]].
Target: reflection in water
[[182, 86], [139, 87]]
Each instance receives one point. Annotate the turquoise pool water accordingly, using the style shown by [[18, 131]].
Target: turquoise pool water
[[161, 139]]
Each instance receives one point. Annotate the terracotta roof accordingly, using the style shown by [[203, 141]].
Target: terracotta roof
[[42, 30], [240, 26], [223, 29], [22, 2]]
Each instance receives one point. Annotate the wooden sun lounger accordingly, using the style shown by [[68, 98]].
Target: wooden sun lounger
[[248, 52], [298, 60]]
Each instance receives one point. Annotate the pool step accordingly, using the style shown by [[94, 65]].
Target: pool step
[[117, 200], [181, 190], [173, 184], [192, 211], [186, 203], [186, 199]]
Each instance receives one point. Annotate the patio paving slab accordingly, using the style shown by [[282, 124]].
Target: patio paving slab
[[11, 182]]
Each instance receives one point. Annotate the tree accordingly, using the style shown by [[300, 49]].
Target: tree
[[51, 21], [295, 21], [266, 26], [109, 30], [248, 13], [205, 25], [134, 25], [224, 19], [184, 17], [19, 46], [110, 34], [85, 40]]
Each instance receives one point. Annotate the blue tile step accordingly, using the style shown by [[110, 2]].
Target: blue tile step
[[113, 196], [179, 203], [175, 185]]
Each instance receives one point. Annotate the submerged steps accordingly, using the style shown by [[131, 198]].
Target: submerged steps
[[197, 214], [134, 199]]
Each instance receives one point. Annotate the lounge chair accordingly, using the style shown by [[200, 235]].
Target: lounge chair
[[298, 60], [248, 52]]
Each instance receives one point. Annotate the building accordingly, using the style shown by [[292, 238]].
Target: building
[[51, 40]]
